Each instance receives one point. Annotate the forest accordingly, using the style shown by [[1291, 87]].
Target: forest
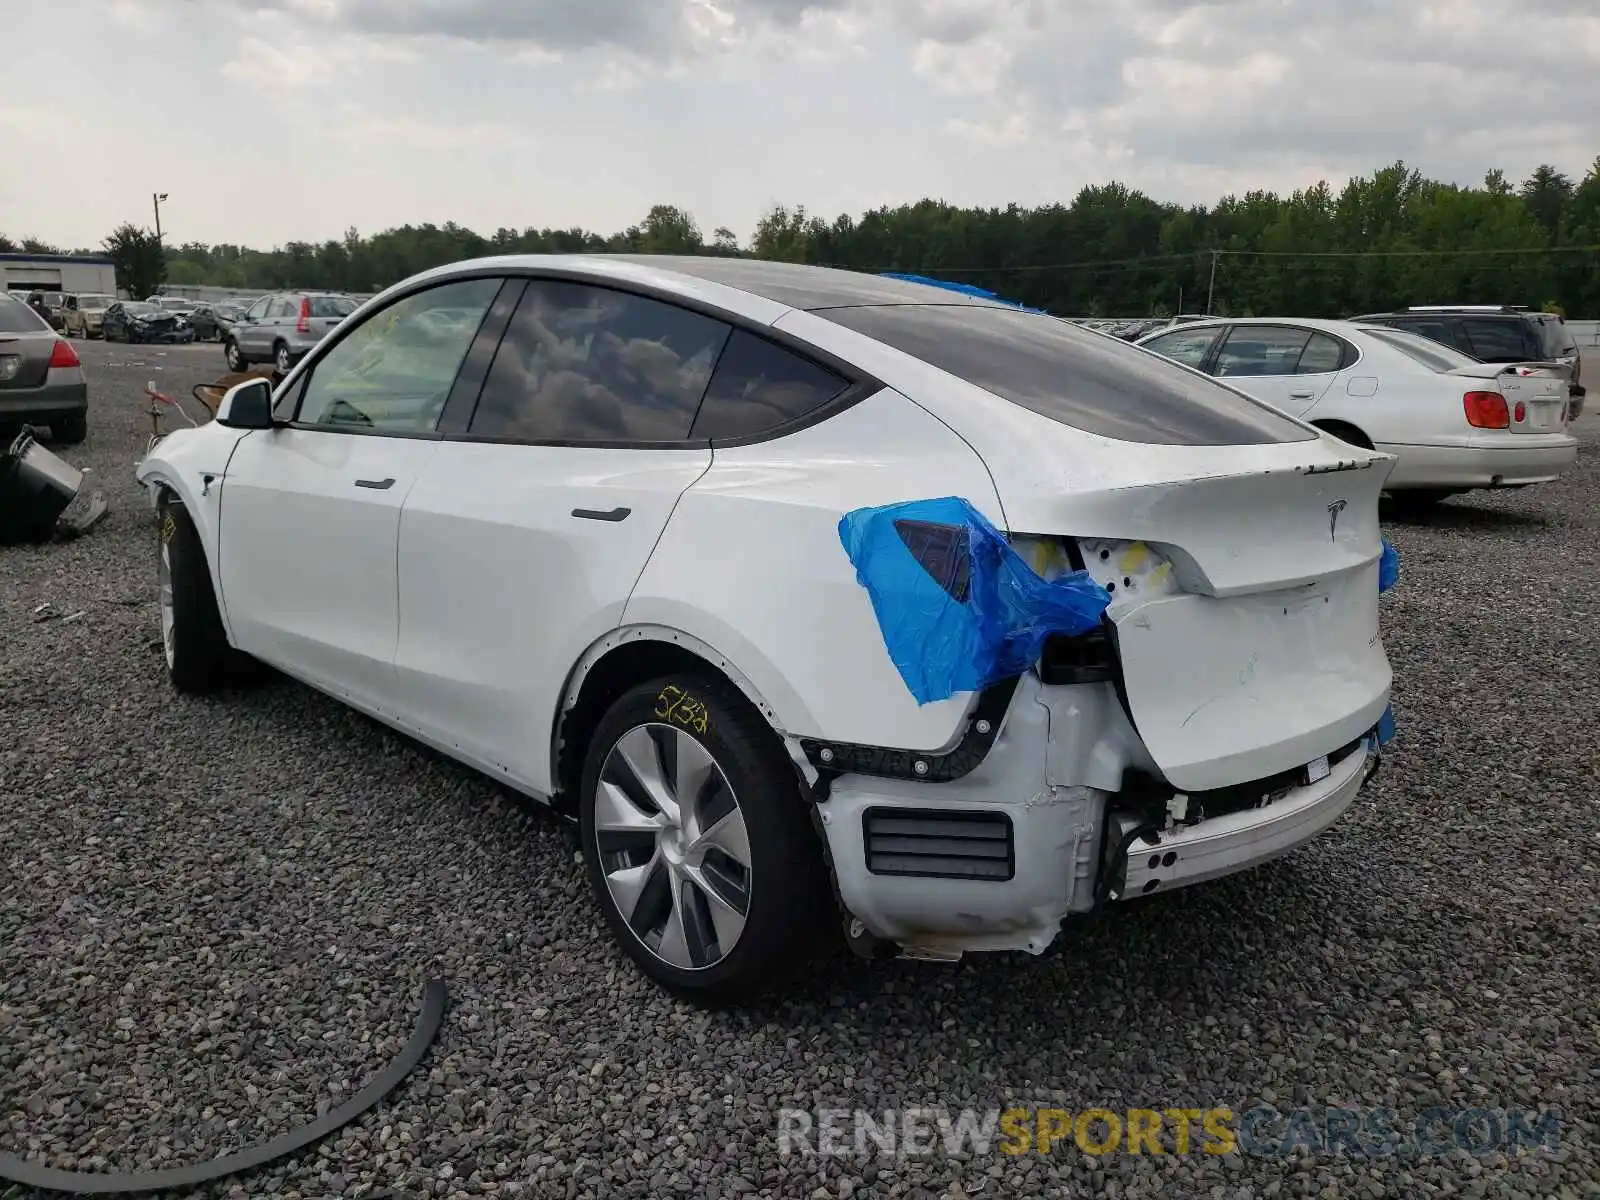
[[1389, 238]]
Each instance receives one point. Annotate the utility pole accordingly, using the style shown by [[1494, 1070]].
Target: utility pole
[[156, 199], [1211, 289]]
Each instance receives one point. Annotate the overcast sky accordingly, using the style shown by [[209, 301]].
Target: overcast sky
[[274, 120]]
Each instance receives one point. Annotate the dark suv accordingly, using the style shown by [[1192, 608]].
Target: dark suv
[[1494, 333]]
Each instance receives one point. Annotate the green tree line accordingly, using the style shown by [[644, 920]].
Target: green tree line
[[1390, 238]]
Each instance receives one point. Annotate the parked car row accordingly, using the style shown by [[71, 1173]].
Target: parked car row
[[1453, 421]]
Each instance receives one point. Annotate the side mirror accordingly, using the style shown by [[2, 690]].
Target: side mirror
[[247, 405]]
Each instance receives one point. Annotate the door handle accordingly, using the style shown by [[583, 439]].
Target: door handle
[[595, 514], [1302, 395], [381, 485]]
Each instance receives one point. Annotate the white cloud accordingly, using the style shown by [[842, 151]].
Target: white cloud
[[588, 112]]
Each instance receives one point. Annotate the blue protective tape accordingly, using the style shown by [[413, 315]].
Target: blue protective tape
[[1386, 726], [962, 610], [1388, 567]]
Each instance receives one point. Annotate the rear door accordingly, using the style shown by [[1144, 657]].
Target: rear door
[[1287, 366], [311, 512], [525, 536]]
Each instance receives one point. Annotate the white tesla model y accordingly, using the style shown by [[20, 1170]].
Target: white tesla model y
[[819, 599]]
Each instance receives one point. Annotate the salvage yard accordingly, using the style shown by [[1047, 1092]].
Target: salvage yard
[[216, 918]]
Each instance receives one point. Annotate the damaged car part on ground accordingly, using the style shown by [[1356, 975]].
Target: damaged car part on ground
[[41, 496], [708, 687], [89, 1183]]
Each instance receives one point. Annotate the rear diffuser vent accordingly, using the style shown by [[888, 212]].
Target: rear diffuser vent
[[937, 843]]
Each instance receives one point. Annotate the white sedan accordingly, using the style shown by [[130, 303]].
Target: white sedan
[[822, 601], [1454, 423]]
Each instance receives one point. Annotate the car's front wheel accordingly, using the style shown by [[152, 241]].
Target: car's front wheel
[[199, 658], [698, 841], [281, 358], [236, 360]]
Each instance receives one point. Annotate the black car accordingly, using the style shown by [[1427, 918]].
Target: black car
[[1494, 333], [141, 321], [208, 321]]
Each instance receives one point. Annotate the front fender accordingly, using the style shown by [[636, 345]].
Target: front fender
[[192, 464]]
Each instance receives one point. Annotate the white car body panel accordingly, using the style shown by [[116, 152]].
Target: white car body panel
[[308, 564], [502, 588], [752, 564], [465, 603], [1417, 414]]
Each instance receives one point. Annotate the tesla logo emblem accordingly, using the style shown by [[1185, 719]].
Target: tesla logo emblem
[[1334, 509]]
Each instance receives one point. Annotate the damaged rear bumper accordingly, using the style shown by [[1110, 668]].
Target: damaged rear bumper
[[1043, 829]]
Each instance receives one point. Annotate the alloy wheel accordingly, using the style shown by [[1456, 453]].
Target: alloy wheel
[[672, 845], [169, 622]]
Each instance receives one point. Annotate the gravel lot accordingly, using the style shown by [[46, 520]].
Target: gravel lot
[[217, 916]]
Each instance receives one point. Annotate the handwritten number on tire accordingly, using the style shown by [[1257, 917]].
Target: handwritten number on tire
[[678, 706]]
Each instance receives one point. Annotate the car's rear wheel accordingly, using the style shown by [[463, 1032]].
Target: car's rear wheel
[[199, 658], [698, 841], [70, 430], [236, 360], [281, 357]]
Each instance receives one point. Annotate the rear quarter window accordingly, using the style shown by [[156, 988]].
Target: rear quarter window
[[1093, 383]]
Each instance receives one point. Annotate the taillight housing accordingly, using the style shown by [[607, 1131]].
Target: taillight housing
[[1486, 410], [303, 325], [63, 355]]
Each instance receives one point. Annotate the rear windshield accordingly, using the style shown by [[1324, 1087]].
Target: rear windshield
[[1086, 380], [332, 306], [1436, 356], [17, 317], [1557, 338]]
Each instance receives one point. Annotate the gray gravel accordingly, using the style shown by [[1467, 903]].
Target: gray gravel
[[216, 918]]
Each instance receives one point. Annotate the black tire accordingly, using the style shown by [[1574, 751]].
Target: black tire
[[789, 905], [70, 431], [198, 656], [281, 359], [236, 359]]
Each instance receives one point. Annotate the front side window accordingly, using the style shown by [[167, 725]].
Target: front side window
[[1252, 351], [393, 371], [1188, 346], [258, 310], [759, 386], [1094, 383], [589, 364]]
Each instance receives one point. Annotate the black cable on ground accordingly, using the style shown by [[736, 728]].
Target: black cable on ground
[[81, 1183]]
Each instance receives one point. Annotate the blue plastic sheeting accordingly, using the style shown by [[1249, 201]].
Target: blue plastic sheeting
[[1388, 567], [958, 607], [1386, 726], [966, 289]]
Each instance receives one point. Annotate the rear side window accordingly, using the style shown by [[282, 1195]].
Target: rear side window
[[1431, 354], [331, 306], [759, 386], [17, 317], [1499, 341], [590, 364], [1323, 355], [1093, 383], [1188, 346], [1256, 350]]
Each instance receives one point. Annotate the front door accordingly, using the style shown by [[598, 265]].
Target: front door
[[311, 512]]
